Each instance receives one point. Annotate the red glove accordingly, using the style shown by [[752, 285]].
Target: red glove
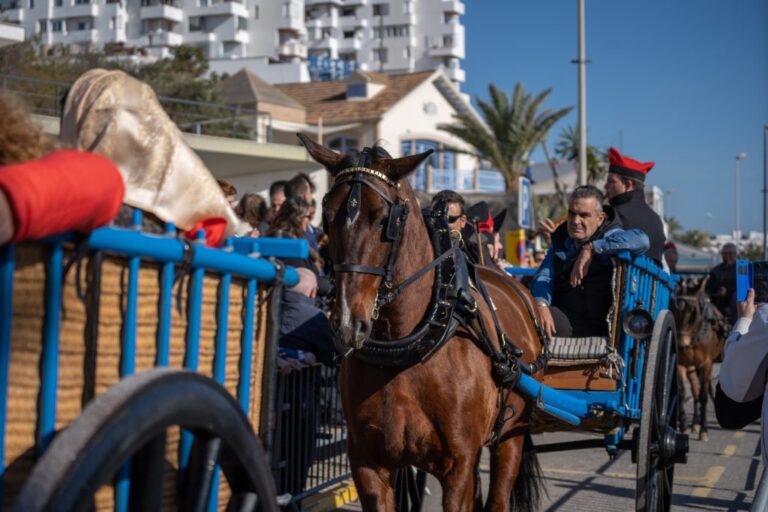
[[66, 190]]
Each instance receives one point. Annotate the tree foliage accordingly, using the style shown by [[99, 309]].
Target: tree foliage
[[695, 238], [513, 126], [674, 228], [567, 148], [752, 252]]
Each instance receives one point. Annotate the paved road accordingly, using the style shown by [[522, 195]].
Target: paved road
[[721, 474]]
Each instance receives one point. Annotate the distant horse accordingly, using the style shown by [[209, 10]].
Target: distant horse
[[701, 336], [435, 411]]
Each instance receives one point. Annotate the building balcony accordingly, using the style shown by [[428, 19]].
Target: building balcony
[[291, 23], [161, 12], [74, 36], [324, 2], [455, 74], [292, 49], [231, 33], [353, 43], [12, 15], [347, 22], [200, 37], [326, 43], [76, 11], [453, 7], [448, 43], [221, 9], [162, 38]]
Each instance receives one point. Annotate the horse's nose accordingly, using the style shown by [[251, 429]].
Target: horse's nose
[[362, 331]]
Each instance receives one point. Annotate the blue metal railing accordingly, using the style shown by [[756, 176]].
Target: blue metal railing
[[241, 258]]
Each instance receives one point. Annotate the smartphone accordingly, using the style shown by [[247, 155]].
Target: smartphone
[[759, 280], [743, 281], [752, 275]]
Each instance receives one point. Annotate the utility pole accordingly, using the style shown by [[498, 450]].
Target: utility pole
[[765, 191], [737, 231], [582, 62]]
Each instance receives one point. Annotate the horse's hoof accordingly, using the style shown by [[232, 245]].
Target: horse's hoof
[[695, 429], [704, 436]]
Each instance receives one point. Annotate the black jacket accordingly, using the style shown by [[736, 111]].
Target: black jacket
[[586, 305], [725, 276], [635, 213]]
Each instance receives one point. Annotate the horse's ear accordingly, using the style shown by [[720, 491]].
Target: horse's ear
[[401, 167], [322, 155]]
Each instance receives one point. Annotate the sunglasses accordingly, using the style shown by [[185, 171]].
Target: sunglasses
[[454, 218]]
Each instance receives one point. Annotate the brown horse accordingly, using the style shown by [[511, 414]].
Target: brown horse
[[436, 413], [701, 336]]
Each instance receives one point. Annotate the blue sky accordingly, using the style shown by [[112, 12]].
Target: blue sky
[[683, 83]]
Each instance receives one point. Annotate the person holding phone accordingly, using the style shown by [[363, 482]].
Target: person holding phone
[[740, 396]]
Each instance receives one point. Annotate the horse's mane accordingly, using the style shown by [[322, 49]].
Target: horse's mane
[[20, 138]]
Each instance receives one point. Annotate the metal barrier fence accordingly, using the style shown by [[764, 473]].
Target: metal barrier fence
[[45, 97], [309, 452]]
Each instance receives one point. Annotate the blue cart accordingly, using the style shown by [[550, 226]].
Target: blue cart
[[623, 386], [136, 371]]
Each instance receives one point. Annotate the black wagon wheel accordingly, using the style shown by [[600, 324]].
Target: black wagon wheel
[[410, 488], [129, 422], [658, 444]]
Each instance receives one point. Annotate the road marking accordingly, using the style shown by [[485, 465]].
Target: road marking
[[729, 450], [611, 474], [739, 434], [711, 477]]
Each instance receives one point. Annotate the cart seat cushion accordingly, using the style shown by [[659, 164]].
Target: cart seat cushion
[[579, 349]]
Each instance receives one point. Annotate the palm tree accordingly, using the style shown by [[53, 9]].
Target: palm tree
[[567, 147], [512, 129]]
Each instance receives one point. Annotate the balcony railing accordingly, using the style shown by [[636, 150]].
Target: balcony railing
[[461, 180]]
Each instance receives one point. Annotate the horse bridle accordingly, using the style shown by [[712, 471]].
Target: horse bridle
[[395, 225]]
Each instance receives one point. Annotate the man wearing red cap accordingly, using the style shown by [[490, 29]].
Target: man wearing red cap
[[625, 192]]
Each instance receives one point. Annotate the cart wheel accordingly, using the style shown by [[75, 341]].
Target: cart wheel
[[658, 445], [128, 423], [410, 488]]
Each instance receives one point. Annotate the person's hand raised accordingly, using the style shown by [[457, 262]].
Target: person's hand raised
[[747, 308]]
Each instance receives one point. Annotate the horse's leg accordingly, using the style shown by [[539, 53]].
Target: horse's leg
[[693, 378], [706, 374], [505, 468], [374, 488], [461, 484], [683, 418]]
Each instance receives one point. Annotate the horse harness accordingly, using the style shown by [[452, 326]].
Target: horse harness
[[452, 304]]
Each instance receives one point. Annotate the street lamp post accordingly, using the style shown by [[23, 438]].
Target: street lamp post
[[582, 62], [737, 231]]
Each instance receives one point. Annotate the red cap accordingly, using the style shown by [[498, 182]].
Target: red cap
[[670, 245], [628, 167], [486, 225]]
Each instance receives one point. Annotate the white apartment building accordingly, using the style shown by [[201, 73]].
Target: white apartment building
[[329, 37]]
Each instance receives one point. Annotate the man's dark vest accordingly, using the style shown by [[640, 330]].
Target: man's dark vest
[[586, 305], [635, 213]]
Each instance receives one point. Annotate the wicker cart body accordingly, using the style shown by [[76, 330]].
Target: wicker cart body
[[79, 314]]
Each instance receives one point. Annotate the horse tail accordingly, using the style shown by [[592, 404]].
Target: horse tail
[[528, 488]]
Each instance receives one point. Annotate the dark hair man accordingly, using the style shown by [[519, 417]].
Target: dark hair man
[[276, 197], [572, 287], [625, 190], [300, 185], [721, 285], [454, 204]]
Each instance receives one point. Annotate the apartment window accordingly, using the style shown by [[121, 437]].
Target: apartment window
[[448, 17], [348, 11], [242, 23], [447, 40], [58, 3], [195, 23], [255, 12], [31, 4], [82, 2], [56, 25], [391, 31], [381, 9], [326, 32], [287, 9], [407, 7], [42, 25], [349, 34], [380, 55], [83, 25]]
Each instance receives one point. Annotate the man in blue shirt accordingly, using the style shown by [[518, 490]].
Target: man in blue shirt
[[573, 287]]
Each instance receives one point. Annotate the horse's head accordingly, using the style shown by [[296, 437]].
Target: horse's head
[[364, 216], [688, 307]]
